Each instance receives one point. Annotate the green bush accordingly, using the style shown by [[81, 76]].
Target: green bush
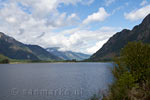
[[4, 61], [136, 57], [131, 73]]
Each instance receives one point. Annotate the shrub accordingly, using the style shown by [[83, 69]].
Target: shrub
[[131, 72], [4, 61], [136, 57]]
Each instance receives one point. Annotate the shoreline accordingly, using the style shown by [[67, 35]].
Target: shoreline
[[52, 62]]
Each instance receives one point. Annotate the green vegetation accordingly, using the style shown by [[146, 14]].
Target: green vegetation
[[3, 59], [6, 60], [131, 73]]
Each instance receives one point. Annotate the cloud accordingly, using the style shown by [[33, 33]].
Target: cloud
[[109, 2], [62, 20], [13, 16], [96, 47], [143, 3], [82, 40], [39, 26], [138, 14], [101, 15], [44, 7]]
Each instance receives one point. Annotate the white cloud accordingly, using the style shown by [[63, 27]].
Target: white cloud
[[108, 2], [138, 14], [11, 20], [62, 20], [96, 47], [82, 40], [41, 8], [41, 30], [101, 15], [143, 3]]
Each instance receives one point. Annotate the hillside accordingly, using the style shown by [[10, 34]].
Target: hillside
[[113, 46], [3, 59], [42, 53], [16, 50], [67, 55]]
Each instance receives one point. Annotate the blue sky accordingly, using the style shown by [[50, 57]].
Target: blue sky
[[117, 19], [76, 25]]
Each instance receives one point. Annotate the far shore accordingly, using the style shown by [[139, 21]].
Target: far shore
[[28, 62]]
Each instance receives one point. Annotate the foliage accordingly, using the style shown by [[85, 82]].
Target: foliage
[[136, 57], [3, 59], [131, 73]]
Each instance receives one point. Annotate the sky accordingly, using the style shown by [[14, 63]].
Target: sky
[[76, 25]]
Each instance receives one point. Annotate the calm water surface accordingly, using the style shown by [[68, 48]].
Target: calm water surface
[[60, 81]]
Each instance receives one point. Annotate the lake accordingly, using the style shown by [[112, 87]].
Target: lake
[[53, 81]]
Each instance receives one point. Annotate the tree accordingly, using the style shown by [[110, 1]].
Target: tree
[[5, 61], [136, 58], [131, 71]]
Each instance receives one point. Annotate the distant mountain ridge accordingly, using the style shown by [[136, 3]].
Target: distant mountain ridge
[[42, 53], [67, 55], [16, 50], [113, 46]]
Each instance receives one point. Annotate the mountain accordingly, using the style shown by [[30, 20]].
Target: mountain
[[67, 55], [42, 53], [113, 46], [16, 50]]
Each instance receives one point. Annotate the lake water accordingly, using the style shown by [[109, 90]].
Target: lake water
[[60, 81]]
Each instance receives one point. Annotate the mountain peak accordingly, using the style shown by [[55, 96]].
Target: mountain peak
[[146, 19], [119, 40], [16, 50]]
